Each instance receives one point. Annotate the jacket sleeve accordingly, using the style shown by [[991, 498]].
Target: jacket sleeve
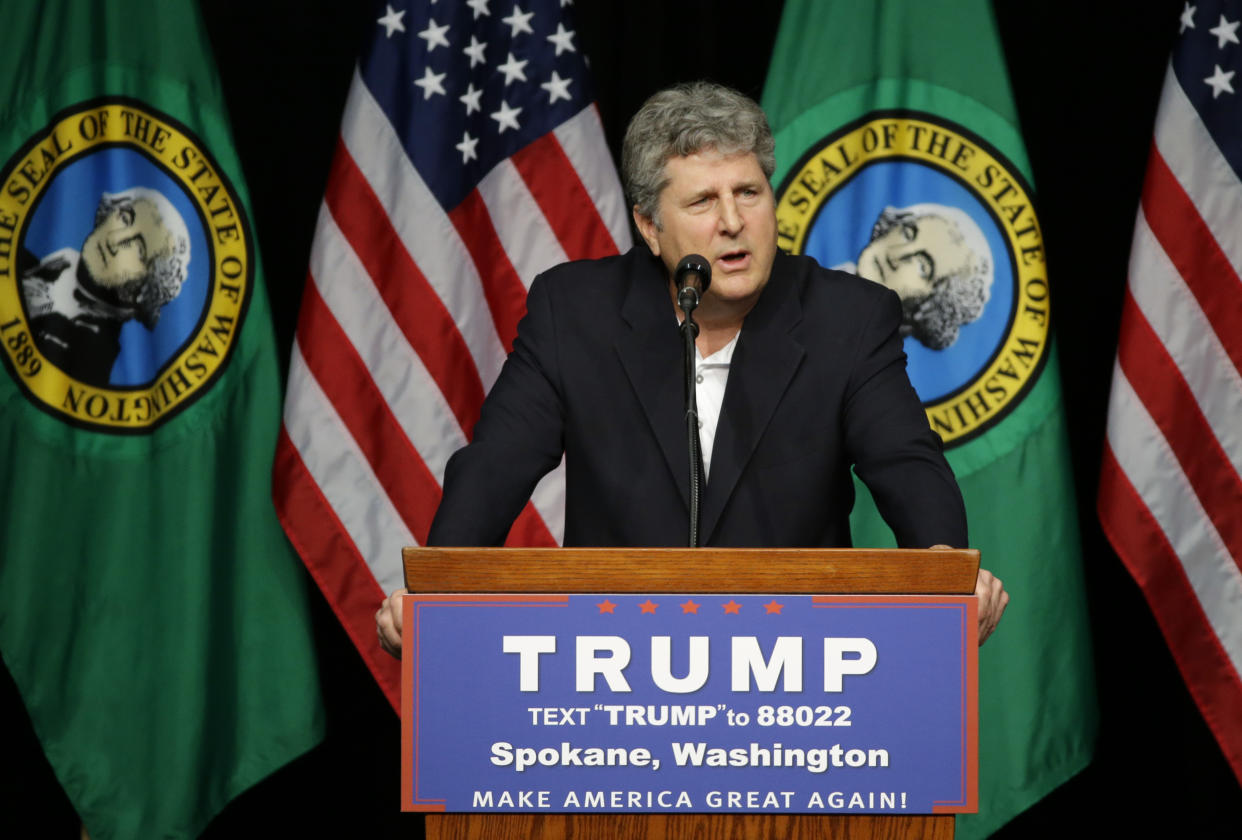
[[895, 452], [519, 437]]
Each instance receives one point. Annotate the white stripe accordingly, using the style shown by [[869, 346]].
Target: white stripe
[[549, 500], [412, 394], [1149, 464], [1174, 314], [341, 471], [402, 378], [1193, 156], [398, 372], [523, 230], [532, 247], [582, 139], [424, 227], [435, 245]]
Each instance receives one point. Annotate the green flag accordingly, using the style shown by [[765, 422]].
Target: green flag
[[899, 158], [151, 612]]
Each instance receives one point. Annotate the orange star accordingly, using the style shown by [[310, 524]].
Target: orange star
[[606, 607], [690, 607], [648, 607], [732, 607], [773, 607]]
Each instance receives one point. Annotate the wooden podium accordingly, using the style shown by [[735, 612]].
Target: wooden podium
[[676, 571]]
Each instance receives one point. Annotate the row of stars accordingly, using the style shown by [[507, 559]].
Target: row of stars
[[506, 117], [562, 39], [432, 84], [513, 69], [730, 608], [1226, 32], [519, 23]]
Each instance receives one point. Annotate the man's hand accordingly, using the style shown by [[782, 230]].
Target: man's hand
[[992, 600], [388, 623]]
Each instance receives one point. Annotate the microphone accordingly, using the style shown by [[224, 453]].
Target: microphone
[[692, 277]]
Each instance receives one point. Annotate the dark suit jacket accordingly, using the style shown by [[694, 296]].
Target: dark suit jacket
[[817, 385]]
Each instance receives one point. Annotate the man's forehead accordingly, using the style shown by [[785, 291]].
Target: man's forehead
[[709, 167]]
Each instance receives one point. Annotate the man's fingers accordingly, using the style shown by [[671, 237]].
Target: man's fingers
[[388, 623], [992, 602]]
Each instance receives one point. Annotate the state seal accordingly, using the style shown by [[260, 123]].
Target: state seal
[[923, 206], [126, 267]]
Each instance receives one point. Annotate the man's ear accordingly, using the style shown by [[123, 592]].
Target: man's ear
[[647, 229]]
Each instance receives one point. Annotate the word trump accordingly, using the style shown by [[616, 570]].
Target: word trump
[[608, 657]]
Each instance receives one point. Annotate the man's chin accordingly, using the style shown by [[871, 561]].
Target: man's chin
[[735, 288]]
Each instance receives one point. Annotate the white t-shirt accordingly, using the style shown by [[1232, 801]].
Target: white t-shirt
[[711, 376]]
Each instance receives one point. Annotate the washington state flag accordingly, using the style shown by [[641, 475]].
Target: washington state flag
[[899, 158], [152, 614]]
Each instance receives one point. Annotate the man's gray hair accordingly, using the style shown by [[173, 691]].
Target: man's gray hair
[[684, 120], [166, 265], [956, 298]]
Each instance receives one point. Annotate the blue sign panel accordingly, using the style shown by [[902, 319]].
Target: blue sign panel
[[689, 703]]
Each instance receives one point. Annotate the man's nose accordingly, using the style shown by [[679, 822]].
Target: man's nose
[[730, 218]]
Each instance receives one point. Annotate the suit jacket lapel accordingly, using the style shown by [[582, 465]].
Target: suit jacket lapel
[[651, 355], [765, 360]]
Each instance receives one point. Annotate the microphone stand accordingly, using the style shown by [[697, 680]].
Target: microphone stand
[[688, 300]]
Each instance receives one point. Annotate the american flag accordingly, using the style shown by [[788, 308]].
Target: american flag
[[1171, 485], [470, 159]]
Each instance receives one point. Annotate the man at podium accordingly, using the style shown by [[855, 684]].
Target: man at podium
[[800, 376]]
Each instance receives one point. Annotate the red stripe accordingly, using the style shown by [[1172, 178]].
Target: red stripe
[[529, 530], [1160, 385], [565, 203], [333, 561], [506, 296], [1206, 269], [418, 311], [348, 385], [1146, 552]]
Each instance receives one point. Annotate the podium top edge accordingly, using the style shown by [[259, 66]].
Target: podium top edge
[[782, 570]]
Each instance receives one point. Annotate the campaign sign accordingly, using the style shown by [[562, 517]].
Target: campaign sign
[[689, 703]]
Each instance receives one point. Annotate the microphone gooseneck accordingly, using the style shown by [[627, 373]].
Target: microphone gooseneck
[[692, 277]]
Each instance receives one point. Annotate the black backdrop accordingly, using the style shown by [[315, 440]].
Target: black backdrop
[[1086, 79]]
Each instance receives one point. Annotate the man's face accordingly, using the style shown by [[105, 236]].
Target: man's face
[[913, 254], [117, 250], [721, 207]]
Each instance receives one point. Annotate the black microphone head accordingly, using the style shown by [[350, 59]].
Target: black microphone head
[[695, 265]]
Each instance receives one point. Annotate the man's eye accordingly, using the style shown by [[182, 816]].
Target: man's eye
[[926, 268], [909, 232], [127, 215]]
